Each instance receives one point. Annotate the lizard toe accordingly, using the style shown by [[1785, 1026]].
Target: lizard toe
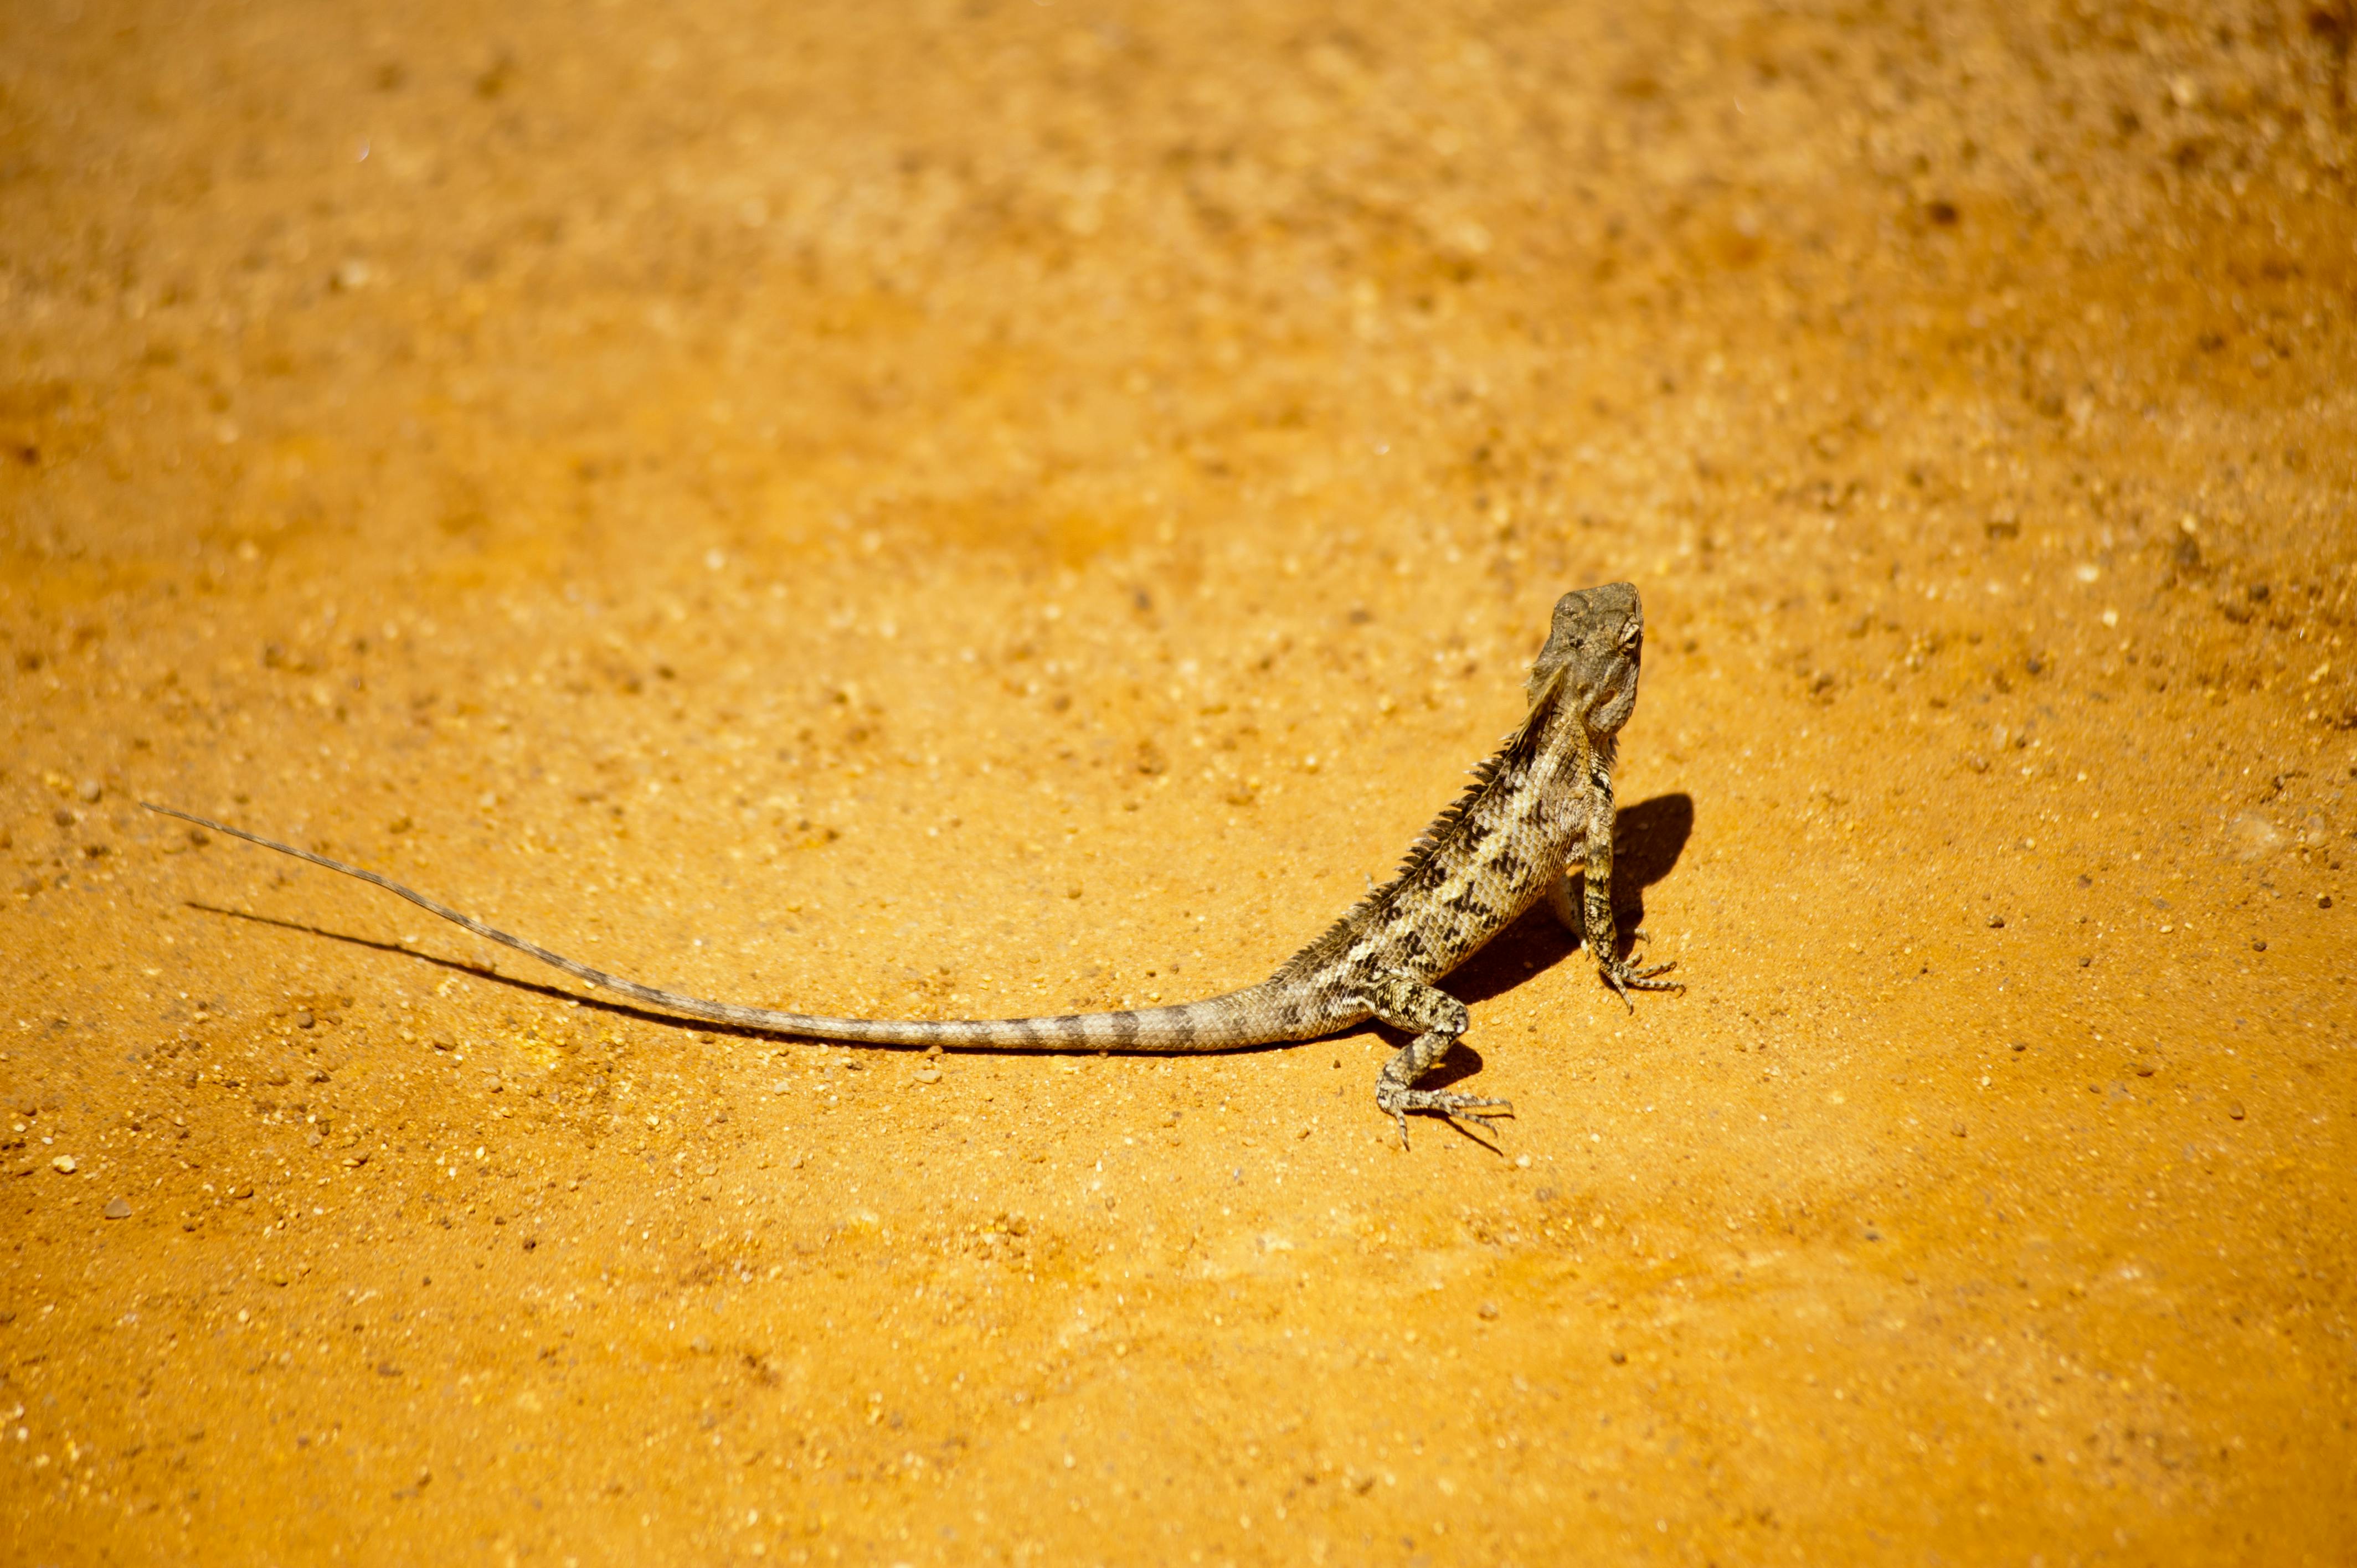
[[1469, 1113], [1624, 977]]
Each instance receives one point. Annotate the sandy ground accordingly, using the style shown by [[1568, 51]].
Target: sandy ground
[[966, 508]]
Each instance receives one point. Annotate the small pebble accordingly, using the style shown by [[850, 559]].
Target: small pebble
[[89, 790], [2021, 1045], [63, 1164], [2258, 944], [2324, 900], [929, 1075], [1958, 1129], [1488, 1309], [2234, 1108], [117, 1210], [1620, 1358], [1997, 922], [2145, 1069], [304, 1020]]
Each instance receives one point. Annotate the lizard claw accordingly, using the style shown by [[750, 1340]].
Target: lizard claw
[[1466, 1112], [1623, 978], [1475, 1125]]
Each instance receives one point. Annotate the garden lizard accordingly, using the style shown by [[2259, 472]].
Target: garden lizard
[[1537, 817]]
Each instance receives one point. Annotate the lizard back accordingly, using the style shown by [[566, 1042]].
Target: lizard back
[[1488, 856]]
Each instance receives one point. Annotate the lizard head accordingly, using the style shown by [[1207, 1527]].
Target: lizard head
[[1593, 650]]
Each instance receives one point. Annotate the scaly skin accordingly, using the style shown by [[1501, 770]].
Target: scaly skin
[[1538, 813]]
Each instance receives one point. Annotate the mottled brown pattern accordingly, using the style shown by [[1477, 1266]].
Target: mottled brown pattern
[[1536, 811]]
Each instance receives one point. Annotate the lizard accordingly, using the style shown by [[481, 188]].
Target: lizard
[[1537, 817]]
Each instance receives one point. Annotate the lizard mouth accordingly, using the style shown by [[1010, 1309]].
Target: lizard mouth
[[1615, 699]]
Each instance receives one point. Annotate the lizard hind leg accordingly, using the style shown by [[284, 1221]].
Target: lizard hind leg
[[1438, 1019]]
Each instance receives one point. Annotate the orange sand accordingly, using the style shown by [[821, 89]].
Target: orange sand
[[969, 508]]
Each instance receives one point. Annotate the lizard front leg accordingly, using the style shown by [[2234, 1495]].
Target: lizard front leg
[[1595, 925], [1437, 1019]]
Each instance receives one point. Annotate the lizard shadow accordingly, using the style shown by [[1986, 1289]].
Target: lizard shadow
[[483, 973], [1647, 839]]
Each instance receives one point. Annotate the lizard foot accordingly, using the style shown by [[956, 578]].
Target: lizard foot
[[1466, 1111], [1623, 978]]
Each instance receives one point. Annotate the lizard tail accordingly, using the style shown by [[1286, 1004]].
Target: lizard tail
[[1254, 1016]]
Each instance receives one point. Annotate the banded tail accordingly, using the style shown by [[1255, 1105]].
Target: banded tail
[[1254, 1016]]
